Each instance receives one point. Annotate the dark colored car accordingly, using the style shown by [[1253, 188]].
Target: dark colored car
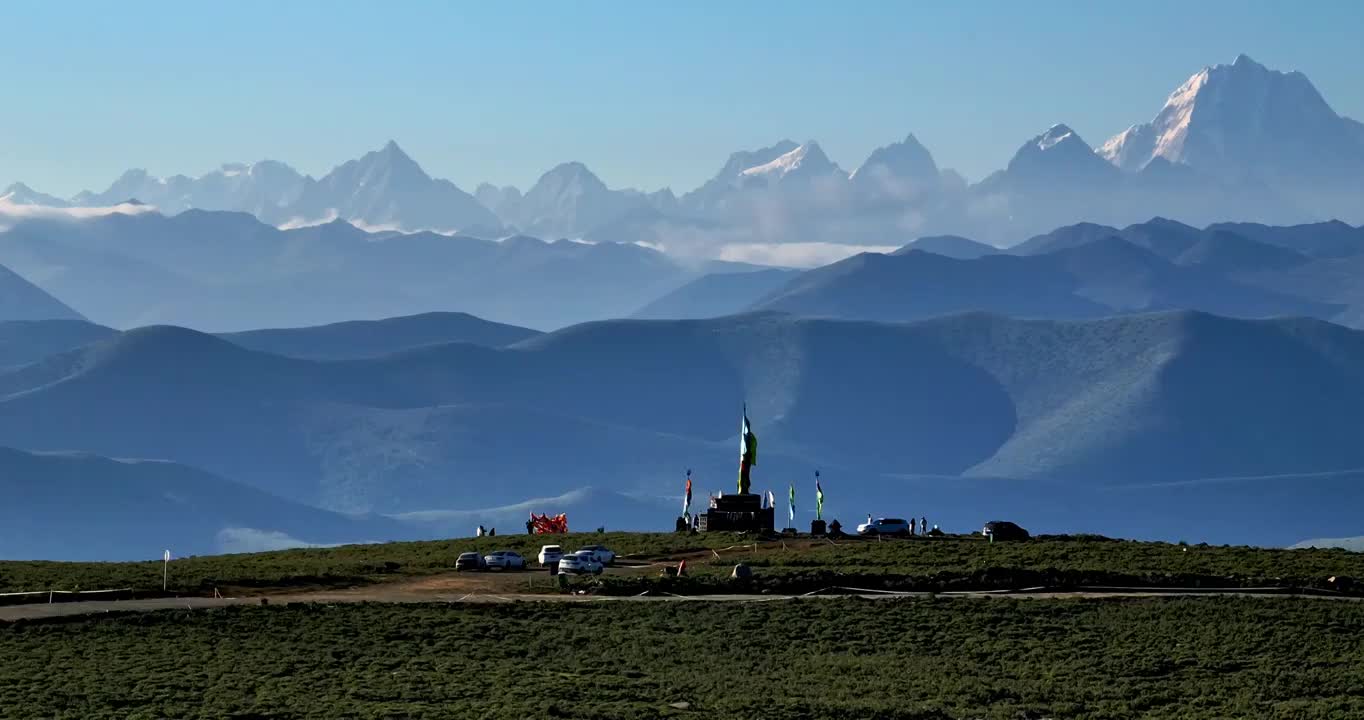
[[469, 561], [1004, 530]]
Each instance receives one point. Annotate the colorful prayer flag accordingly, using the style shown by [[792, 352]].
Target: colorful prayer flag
[[686, 502]]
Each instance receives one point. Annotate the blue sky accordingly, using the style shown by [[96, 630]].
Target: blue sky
[[646, 93]]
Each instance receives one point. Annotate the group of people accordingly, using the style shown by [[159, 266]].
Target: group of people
[[490, 532]]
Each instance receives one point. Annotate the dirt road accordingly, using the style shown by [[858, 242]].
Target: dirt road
[[462, 588]]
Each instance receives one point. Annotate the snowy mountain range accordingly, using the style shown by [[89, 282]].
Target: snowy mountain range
[[260, 188], [1234, 141], [387, 188]]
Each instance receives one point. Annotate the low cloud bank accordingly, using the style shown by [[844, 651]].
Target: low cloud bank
[[12, 213], [1349, 543], [250, 540], [795, 255]]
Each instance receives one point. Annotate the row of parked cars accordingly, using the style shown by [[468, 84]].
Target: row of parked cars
[[588, 560]]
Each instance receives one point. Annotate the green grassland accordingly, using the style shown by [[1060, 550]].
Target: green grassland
[[950, 563], [846, 658]]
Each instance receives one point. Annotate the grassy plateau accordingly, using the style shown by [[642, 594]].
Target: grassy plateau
[[1205, 657]]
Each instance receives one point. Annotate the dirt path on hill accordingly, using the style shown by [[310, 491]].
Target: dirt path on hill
[[456, 589]]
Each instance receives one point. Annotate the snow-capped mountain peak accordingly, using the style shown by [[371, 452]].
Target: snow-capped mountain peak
[[570, 176], [21, 194], [390, 160], [806, 159], [1134, 147], [570, 200], [386, 187], [1239, 120], [1058, 155], [905, 159], [1055, 135]]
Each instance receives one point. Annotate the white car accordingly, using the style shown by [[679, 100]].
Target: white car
[[504, 560], [580, 563], [884, 526], [600, 554], [550, 553]]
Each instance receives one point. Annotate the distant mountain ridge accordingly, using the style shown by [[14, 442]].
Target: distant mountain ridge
[[137, 508], [22, 300], [27, 342], [1112, 401], [226, 271], [1104, 277], [1084, 270], [952, 246], [360, 339]]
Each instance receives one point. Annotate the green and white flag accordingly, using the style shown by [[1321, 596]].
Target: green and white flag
[[792, 513]]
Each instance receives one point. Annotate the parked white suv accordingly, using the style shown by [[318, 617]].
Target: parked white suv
[[550, 553], [600, 554], [884, 526], [580, 563]]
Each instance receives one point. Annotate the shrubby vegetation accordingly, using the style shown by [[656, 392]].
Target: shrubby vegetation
[[897, 659]]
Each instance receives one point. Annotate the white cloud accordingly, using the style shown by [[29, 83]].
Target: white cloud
[[11, 213], [250, 540], [1349, 543], [505, 512], [332, 215], [795, 255], [295, 223]]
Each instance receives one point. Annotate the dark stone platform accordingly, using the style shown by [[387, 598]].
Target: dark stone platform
[[737, 513]]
